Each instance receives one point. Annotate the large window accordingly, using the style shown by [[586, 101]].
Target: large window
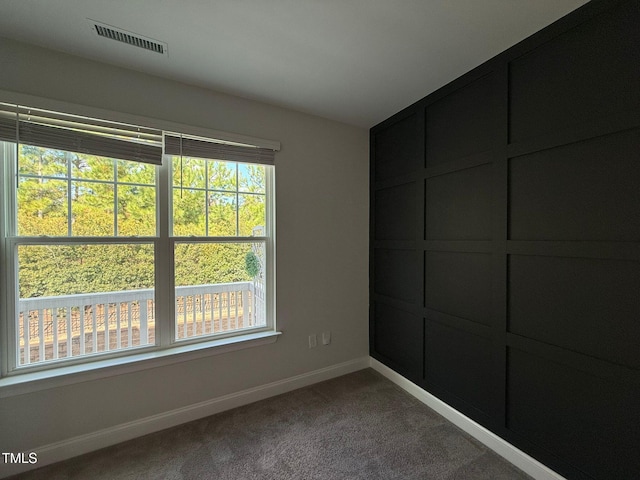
[[220, 269], [122, 239]]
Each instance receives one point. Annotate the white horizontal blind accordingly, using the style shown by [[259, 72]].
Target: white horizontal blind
[[200, 148], [74, 133]]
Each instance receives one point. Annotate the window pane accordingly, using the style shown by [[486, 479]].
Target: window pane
[[42, 161], [189, 173], [189, 207], [251, 215], [235, 199], [91, 167], [78, 300], [92, 209], [42, 207], [219, 288], [222, 214], [136, 172], [251, 178], [136, 210], [89, 192], [222, 175]]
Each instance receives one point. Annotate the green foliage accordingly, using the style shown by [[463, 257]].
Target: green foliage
[[73, 269], [252, 264], [54, 183], [204, 263]]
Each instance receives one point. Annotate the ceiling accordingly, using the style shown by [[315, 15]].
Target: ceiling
[[354, 61]]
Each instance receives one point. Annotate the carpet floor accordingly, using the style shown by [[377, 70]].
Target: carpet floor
[[359, 426]]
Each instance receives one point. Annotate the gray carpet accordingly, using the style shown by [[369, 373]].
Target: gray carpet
[[359, 426]]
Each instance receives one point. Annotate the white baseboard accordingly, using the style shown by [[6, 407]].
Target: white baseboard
[[79, 445], [503, 448]]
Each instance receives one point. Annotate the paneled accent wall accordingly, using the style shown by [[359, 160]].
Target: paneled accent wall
[[505, 243]]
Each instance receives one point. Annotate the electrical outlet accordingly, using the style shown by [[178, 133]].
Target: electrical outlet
[[313, 341], [326, 338]]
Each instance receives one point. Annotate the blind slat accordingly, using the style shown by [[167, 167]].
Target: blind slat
[[81, 134], [99, 128], [81, 142], [192, 147], [7, 122]]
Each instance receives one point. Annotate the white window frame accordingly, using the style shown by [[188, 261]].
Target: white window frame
[[268, 239], [167, 350]]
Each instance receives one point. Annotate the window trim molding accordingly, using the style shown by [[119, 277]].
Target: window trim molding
[[6, 302], [167, 350]]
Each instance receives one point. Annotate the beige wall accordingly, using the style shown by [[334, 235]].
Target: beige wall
[[322, 247]]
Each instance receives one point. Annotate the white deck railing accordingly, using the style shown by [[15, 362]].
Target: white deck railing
[[51, 328]]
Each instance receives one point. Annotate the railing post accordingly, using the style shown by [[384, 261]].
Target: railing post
[[69, 333], [118, 329], [94, 325], [245, 308], [54, 322], [41, 338], [257, 305], [27, 336], [82, 319], [203, 309], [144, 328], [194, 321], [107, 314], [129, 322]]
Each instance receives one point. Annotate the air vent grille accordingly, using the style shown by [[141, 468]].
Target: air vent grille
[[129, 38]]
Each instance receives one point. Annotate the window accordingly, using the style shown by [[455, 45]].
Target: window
[[219, 270], [126, 239]]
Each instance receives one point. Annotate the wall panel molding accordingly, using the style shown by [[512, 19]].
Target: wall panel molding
[[525, 242]]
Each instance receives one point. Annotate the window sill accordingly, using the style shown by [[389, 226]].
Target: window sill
[[20, 384]]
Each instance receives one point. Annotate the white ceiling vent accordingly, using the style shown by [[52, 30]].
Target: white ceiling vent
[[130, 38]]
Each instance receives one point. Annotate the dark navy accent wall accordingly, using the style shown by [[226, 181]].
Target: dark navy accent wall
[[505, 243]]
